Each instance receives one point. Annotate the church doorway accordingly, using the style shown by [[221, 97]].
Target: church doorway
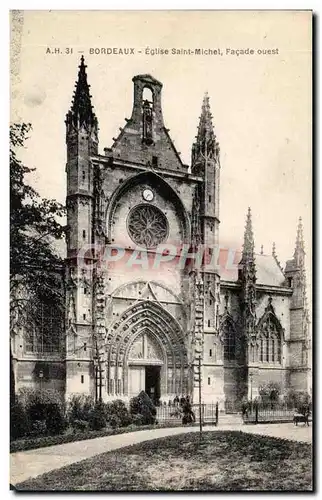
[[152, 382]]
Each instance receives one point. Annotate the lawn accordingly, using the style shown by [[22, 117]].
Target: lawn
[[221, 461]]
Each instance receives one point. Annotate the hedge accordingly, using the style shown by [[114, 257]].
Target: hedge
[[42, 442]]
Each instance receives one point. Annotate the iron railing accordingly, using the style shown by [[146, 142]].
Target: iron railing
[[261, 414], [174, 414]]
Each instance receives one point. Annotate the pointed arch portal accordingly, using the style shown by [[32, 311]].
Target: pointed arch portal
[[145, 350]]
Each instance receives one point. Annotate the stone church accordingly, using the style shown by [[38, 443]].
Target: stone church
[[143, 309]]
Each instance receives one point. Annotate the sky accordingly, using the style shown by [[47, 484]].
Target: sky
[[261, 103]]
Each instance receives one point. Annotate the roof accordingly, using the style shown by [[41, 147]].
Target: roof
[[268, 271]]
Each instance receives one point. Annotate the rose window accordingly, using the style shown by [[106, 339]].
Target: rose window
[[147, 226]]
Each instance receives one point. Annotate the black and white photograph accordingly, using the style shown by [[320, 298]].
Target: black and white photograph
[[161, 251]]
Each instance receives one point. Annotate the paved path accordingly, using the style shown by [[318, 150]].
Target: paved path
[[32, 463]]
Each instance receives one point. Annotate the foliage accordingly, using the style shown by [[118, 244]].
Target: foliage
[[142, 405], [35, 268], [269, 393], [19, 421], [55, 419], [117, 414], [79, 408], [28, 396], [138, 419], [44, 409], [80, 425], [299, 400], [97, 416], [38, 428]]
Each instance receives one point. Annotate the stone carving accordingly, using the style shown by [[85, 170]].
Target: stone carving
[[147, 226], [153, 352], [136, 351]]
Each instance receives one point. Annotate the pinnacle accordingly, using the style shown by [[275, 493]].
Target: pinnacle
[[248, 248], [299, 244], [82, 109]]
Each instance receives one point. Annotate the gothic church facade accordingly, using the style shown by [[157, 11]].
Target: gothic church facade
[[145, 320]]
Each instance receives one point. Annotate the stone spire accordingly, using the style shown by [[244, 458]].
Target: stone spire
[[299, 252], [247, 277], [81, 112], [206, 145], [248, 247]]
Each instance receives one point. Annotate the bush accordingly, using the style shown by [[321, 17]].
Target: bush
[[55, 419], [38, 428], [80, 425], [269, 394], [97, 416], [44, 406], [80, 408], [117, 415], [138, 419], [142, 405], [299, 400], [19, 422]]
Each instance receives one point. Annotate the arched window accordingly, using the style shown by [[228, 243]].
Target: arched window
[[279, 352], [273, 344], [147, 104], [44, 328], [147, 95], [261, 356], [270, 341], [229, 341]]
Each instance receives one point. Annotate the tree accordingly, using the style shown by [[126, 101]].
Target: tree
[[270, 392], [36, 271]]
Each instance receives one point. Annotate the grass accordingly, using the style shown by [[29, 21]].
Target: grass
[[221, 461]]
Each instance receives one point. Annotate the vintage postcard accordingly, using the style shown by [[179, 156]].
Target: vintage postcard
[[161, 246]]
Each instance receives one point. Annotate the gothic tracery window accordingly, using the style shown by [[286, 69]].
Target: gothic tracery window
[[229, 342], [147, 226], [270, 342], [44, 329]]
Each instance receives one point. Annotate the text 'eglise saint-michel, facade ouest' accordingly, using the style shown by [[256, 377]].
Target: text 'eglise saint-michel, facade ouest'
[[141, 320]]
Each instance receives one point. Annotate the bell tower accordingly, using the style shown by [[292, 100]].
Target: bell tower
[[82, 143]]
